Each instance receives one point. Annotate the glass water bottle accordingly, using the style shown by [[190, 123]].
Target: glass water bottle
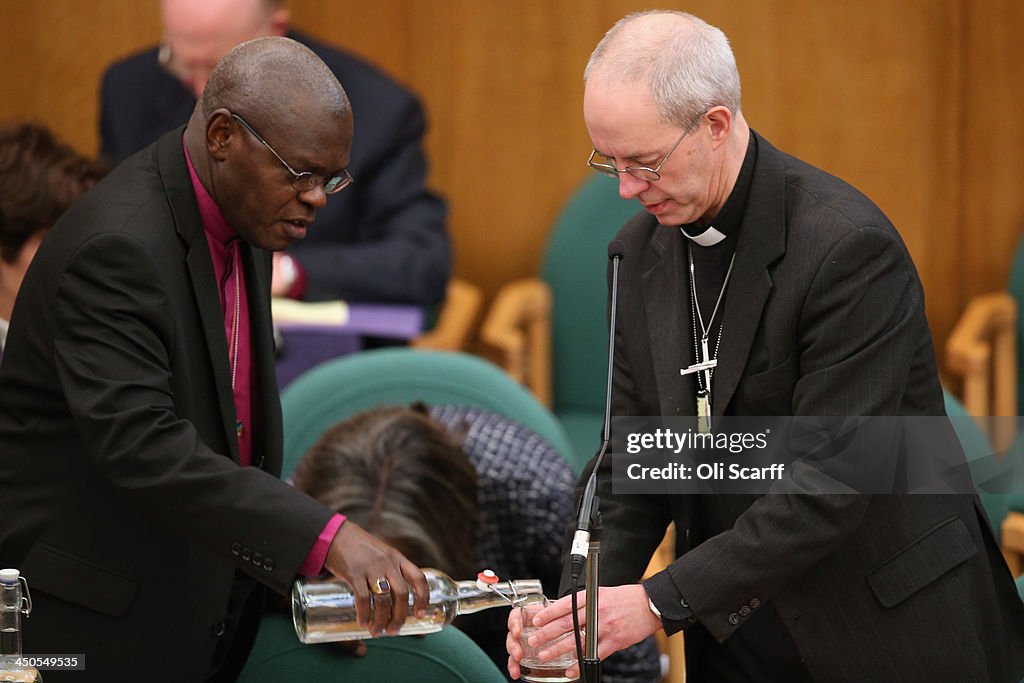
[[12, 605], [325, 609]]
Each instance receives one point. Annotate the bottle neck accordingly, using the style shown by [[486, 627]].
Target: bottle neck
[[472, 599]]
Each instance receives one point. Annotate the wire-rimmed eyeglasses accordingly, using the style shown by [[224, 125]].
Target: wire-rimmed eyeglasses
[[606, 165], [303, 181]]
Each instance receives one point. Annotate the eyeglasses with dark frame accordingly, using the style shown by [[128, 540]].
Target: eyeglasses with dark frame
[[603, 164], [303, 181]]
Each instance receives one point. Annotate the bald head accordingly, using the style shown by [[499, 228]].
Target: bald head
[[272, 112], [686, 63], [272, 80]]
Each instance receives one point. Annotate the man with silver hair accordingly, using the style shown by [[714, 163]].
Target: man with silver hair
[[795, 296]]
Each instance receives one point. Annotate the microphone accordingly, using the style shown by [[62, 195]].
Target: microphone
[[581, 539]]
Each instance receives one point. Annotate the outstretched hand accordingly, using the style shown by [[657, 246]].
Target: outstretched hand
[[624, 619], [363, 561]]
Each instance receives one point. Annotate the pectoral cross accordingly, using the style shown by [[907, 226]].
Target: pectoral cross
[[705, 365]]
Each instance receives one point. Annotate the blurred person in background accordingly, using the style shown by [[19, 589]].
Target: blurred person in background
[[39, 179], [385, 240]]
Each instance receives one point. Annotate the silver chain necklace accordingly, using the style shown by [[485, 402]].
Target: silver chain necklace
[[700, 343]]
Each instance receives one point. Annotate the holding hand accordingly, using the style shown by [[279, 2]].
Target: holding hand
[[372, 566], [624, 619]]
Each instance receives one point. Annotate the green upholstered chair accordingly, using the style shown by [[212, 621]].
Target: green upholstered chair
[[977, 450], [448, 656], [1015, 287], [979, 453], [341, 388], [986, 348], [551, 332]]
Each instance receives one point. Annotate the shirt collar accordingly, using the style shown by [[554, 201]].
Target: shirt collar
[[213, 219], [705, 237], [731, 216]]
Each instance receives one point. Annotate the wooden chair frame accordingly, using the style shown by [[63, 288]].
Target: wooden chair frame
[[457, 320], [517, 331], [982, 349], [984, 340]]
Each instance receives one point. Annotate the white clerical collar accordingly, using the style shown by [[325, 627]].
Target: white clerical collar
[[3, 332], [708, 238]]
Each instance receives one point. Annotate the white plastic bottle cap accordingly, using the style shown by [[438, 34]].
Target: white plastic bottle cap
[[485, 579], [9, 575]]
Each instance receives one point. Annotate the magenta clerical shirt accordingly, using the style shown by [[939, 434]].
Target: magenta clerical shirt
[[225, 252]]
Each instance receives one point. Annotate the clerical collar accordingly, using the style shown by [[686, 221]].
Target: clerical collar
[[708, 238], [727, 223]]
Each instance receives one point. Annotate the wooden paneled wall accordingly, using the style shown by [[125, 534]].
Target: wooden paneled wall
[[918, 102]]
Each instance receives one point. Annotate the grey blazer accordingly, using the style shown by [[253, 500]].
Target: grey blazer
[[824, 315]]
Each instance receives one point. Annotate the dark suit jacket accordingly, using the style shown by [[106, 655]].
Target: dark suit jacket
[[121, 498], [381, 239], [824, 315]]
